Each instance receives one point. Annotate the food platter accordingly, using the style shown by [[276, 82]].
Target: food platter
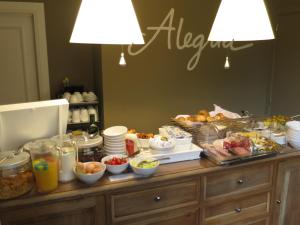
[[240, 147]]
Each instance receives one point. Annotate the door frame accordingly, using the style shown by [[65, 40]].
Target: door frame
[[36, 10]]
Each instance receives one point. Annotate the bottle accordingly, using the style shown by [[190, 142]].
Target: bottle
[[131, 144], [93, 129]]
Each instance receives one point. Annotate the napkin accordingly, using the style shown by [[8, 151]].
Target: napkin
[[225, 112]]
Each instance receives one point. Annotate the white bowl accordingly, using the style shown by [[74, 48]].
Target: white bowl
[[294, 125], [293, 138], [157, 144], [142, 171], [115, 169], [116, 131], [292, 133], [90, 178]]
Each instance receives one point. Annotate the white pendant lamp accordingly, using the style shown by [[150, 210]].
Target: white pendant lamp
[[107, 22], [241, 20]]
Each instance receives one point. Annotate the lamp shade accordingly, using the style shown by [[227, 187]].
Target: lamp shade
[[107, 22], [241, 20]]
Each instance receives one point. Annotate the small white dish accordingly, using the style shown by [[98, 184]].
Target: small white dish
[[115, 169], [143, 171], [158, 144], [90, 178]]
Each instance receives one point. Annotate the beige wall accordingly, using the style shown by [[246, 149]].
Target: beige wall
[[156, 84], [72, 60]]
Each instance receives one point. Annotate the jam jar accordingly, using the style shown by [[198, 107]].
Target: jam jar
[[16, 177]]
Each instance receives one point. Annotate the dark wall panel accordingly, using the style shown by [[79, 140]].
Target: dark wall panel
[[286, 90], [156, 84]]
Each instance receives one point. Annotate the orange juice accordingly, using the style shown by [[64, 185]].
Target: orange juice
[[46, 173]]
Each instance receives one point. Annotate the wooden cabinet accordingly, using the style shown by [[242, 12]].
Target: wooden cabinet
[[237, 195], [264, 221], [236, 181], [265, 192], [184, 216], [287, 196], [83, 211], [148, 204], [243, 209]]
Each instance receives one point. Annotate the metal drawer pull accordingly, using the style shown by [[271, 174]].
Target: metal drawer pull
[[278, 202], [240, 181], [157, 198], [238, 210]]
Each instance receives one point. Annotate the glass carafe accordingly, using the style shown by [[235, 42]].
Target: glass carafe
[[45, 165], [67, 149]]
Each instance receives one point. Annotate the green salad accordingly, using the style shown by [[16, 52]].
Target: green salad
[[145, 164]]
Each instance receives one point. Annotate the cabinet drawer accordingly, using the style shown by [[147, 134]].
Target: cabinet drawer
[[190, 218], [154, 199], [264, 221], [243, 209], [237, 180]]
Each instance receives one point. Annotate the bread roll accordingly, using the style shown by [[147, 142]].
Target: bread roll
[[203, 112], [200, 118]]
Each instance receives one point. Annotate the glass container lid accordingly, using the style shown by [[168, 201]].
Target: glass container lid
[[41, 146], [12, 159]]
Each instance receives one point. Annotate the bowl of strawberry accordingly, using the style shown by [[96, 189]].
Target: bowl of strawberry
[[115, 164]]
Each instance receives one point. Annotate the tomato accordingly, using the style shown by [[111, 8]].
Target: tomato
[[116, 161]]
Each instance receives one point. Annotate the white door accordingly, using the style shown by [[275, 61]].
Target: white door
[[23, 53]]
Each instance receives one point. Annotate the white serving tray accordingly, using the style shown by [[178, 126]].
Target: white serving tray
[[179, 153]]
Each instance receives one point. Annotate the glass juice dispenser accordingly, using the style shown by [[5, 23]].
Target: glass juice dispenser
[[45, 165]]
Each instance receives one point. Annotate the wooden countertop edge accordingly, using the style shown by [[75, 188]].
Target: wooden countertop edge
[[85, 191]]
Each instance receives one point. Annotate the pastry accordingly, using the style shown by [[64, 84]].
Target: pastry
[[203, 112], [200, 118]]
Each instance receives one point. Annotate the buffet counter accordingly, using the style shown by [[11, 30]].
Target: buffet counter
[[190, 193]]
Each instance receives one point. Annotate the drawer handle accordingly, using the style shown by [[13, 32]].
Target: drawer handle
[[278, 202], [238, 210], [157, 198], [240, 181]]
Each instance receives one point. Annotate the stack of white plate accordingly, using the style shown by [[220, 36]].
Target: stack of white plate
[[293, 133], [114, 140]]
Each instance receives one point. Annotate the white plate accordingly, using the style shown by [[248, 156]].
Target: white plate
[[114, 153], [115, 149], [115, 131], [114, 142], [122, 136], [117, 145]]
